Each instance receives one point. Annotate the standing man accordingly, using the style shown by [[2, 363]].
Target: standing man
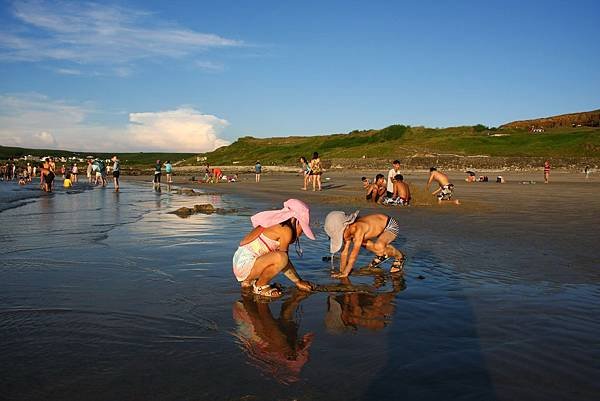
[[546, 171], [116, 172], [446, 189], [257, 170], [394, 171]]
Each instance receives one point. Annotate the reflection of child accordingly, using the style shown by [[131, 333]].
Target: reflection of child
[[263, 253], [273, 344], [375, 232]]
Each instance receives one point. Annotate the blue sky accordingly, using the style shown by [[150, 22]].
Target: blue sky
[[192, 75]]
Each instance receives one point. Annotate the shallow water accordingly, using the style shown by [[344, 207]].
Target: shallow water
[[105, 295]]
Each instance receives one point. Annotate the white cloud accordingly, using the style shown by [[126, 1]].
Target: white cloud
[[92, 33], [181, 130], [34, 120], [45, 138]]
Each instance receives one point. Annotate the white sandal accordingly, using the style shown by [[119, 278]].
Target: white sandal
[[266, 290]]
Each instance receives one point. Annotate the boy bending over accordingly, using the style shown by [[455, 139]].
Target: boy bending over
[[375, 232], [446, 189]]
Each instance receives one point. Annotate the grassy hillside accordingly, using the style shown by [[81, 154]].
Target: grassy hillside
[[132, 159], [400, 141]]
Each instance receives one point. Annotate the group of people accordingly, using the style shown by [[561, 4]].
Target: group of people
[[10, 171], [263, 252], [395, 192], [158, 173], [312, 171]]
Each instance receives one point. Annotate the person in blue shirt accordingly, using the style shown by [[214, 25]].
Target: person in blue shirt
[[257, 170], [168, 171]]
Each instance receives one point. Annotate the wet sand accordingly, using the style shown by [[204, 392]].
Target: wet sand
[[108, 296]]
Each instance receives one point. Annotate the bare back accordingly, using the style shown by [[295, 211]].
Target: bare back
[[440, 178], [370, 226]]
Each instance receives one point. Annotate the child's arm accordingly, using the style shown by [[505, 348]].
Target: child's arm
[[358, 239], [436, 191], [430, 180], [344, 255], [290, 271]]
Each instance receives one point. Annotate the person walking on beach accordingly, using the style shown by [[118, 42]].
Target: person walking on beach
[[374, 232], [586, 171], [317, 171], [257, 171], [395, 170], [263, 253], [157, 174], [306, 172], [546, 171], [116, 171], [169, 171], [446, 189]]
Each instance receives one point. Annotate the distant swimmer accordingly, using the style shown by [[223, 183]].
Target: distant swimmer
[[263, 253], [446, 189], [374, 232]]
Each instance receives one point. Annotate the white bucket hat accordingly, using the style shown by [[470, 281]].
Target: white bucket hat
[[335, 224]]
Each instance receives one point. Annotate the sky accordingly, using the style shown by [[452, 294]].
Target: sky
[[190, 76]]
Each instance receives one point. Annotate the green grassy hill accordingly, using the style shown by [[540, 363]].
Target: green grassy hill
[[400, 141]]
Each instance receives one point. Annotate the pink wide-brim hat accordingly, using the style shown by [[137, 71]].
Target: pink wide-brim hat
[[291, 208]]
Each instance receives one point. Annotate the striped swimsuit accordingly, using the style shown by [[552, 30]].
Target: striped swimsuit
[[392, 226]]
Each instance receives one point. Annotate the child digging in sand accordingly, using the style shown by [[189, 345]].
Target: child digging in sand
[[263, 253], [446, 189], [375, 232]]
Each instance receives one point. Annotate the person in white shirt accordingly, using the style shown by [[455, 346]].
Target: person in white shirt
[[390, 177]]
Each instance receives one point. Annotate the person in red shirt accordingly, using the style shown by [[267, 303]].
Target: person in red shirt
[[546, 171]]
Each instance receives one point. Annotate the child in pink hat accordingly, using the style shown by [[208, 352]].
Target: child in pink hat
[[263, 253]]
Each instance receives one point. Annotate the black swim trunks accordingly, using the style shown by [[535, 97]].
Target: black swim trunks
[[116, 174], [49, 177]]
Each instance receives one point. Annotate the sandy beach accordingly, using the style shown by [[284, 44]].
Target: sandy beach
[[108, 295]]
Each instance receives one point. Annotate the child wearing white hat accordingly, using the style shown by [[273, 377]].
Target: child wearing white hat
[[375, 232]]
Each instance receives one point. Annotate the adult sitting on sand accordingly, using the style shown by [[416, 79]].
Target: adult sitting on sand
[[375, 232], [446, 189], [401, 194], [377, 190], [263, 253]]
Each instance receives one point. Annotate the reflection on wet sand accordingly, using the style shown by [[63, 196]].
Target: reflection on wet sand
[[272, 344], [372, 311]]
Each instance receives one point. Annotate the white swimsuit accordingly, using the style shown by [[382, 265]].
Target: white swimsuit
[[246, 255]]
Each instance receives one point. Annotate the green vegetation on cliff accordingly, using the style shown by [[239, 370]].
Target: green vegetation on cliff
[[401, 141]]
